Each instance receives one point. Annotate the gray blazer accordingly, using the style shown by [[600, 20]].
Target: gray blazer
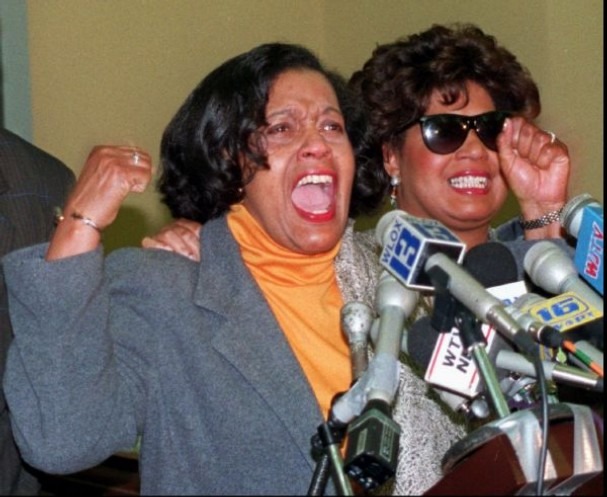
[[32, 183], [190, 355]]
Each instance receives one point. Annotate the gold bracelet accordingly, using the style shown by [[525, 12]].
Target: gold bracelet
[[76, 215], [540, 222]]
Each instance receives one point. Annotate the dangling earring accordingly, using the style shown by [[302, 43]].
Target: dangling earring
[[394, 183]]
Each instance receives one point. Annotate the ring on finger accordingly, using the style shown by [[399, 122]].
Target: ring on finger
[[552, 137], [135, 156]]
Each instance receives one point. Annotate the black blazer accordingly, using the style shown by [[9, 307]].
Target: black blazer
[[32, 184]]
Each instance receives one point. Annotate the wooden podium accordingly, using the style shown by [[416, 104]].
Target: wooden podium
[[501, 458]]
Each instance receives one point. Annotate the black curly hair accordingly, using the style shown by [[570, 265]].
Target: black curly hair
[[397, 82], [203, 145]]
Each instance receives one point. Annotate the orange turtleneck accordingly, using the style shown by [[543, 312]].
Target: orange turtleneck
[[303, 294]]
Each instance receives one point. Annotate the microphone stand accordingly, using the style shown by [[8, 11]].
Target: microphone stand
[[474, 342], [373, 437], [355, 320], [449, 312], [325, 448]]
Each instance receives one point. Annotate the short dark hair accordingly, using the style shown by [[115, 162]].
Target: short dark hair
[[203, 145], [396, 83]]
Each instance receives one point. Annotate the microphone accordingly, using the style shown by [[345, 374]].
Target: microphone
[[373, 437], [458, 394], [448, 275], [356, 319], [431, 350], [582, 218], [510, 360], [550, 268], [407, 243], [563, 312], [379, 381], [422, 253], [501, 281]]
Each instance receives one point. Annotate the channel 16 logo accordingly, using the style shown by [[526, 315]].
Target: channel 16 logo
[[410, 241]]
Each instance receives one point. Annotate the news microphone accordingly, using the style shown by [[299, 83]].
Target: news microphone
[[542, 332], [550, 268], [356, 319], [373, 437], [510, 360], [502, 281], [457, 393], [448, 366], [422, 253], [563, 312], [447, 274], [582, 218], [408, 241]]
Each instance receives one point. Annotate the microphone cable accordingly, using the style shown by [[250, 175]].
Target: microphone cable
[[545, 424]]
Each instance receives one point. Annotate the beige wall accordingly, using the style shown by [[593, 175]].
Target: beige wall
[[115, 71]]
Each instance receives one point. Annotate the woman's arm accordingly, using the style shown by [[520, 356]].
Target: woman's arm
[[536, 166], [108, 176]]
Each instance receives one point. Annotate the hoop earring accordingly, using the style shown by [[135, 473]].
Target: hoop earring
[[394, 183]]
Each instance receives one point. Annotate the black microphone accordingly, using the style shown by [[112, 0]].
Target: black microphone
[[493, 265], [448, 275]]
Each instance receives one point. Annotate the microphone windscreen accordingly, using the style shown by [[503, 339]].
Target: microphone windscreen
[[571, 215], [491, 264], [421, 340]]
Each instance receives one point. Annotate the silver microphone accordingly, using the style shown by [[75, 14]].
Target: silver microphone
[[550, 268]]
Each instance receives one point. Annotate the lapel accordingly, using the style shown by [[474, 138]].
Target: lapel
[[251, 338]]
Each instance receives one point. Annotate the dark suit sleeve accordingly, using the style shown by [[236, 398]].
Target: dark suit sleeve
[[32, 184]]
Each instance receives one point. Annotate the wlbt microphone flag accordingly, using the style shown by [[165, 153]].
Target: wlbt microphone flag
[[450, 366], [582, 217], [409, 241]]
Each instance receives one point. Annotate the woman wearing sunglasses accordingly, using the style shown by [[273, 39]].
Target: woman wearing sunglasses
[[453, 114]]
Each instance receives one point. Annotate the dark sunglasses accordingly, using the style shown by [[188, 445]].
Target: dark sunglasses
[[445, 133]]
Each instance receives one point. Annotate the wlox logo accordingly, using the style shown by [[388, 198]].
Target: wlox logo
[[400, 253], [410, 242]]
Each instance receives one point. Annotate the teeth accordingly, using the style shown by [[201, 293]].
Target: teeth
[[469, 182], [315, 179]]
